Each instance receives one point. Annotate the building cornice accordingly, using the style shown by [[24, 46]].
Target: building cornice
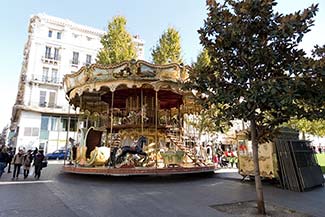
[[68, 23]]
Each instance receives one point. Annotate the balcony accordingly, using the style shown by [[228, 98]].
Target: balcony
[[54, 60], [46, 107], [49, 105], [46, 79], [74, 63], [86, 64]]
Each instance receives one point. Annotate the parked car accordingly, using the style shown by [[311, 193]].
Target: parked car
[[58, 155]]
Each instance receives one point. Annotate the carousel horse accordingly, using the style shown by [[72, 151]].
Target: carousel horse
[[98, 157], [119, 154]]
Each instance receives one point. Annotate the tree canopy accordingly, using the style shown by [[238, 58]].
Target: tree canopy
[[117, 43], [316, 127], [209, 119], [257, 71], [168, 50]]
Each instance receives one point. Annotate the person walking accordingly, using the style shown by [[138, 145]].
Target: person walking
[[3, 159], [28, 158], [17, 161], [10, 156], [39, 157]]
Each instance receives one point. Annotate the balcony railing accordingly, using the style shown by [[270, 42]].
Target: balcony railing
[[46, 79], [53, 105], [51, 59], [74, 63]]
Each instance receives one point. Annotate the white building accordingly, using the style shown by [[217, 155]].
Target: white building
[[54, 48]]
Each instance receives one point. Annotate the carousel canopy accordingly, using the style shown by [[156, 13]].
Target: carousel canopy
[[96, 83]]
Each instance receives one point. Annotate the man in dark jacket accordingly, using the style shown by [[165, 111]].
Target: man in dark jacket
[[3, 159], [10, 156], [39, 157]]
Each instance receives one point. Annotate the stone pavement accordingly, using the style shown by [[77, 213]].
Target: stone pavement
[[46, 174], [177, 196]]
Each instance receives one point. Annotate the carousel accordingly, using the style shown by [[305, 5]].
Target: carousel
[[131, 120]]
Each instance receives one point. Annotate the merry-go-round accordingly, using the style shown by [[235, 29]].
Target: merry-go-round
[[131, 120]]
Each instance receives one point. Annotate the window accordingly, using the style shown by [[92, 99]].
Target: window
[[31, 131], [54, 123], [41, 145], [73, 124], [88, 59], [75, 58], [27, 131], [48, 52], [56, 53], [54, 77], [44, 122], [42, 98], [50, 33], [35, 131], [51, 100], [58, 35], [45, 74], [64, 124]]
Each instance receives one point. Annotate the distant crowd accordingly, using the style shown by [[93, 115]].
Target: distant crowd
[[222, 158], [31, 161]]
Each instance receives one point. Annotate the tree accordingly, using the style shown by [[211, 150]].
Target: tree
[[117, 43], [257, 72], [205, 120], [169, 48], [316, 127]]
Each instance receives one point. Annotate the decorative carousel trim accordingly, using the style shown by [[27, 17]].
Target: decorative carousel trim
[[113, 85], [128, 71]]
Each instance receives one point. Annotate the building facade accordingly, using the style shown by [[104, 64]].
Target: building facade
[[41, 115]]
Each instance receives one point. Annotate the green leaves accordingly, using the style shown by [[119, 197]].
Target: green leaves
[[168, 50], [117, 43], [254, 66], [316, 127]]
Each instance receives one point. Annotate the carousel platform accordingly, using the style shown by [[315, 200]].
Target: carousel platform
[[136, 171]]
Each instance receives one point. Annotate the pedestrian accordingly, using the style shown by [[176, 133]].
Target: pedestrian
[[215, 160], [3, 159], [10, 156], [209, 152], [73, 151], [28, 158], [35, 152], [39, 157], [17, 161]]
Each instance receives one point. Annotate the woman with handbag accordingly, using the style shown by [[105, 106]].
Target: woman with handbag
[[28, 158], [39, 157]]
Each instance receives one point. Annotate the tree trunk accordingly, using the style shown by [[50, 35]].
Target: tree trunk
[[258, 183]]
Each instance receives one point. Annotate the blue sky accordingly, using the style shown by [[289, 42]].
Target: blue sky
[[147, 18]]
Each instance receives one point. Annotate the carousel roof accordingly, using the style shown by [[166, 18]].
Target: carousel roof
[[96, 83], [129, 73]]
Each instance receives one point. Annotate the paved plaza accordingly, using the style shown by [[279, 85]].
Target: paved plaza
[[58, 194]]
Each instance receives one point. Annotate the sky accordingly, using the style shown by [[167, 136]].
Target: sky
[[146, 18]]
